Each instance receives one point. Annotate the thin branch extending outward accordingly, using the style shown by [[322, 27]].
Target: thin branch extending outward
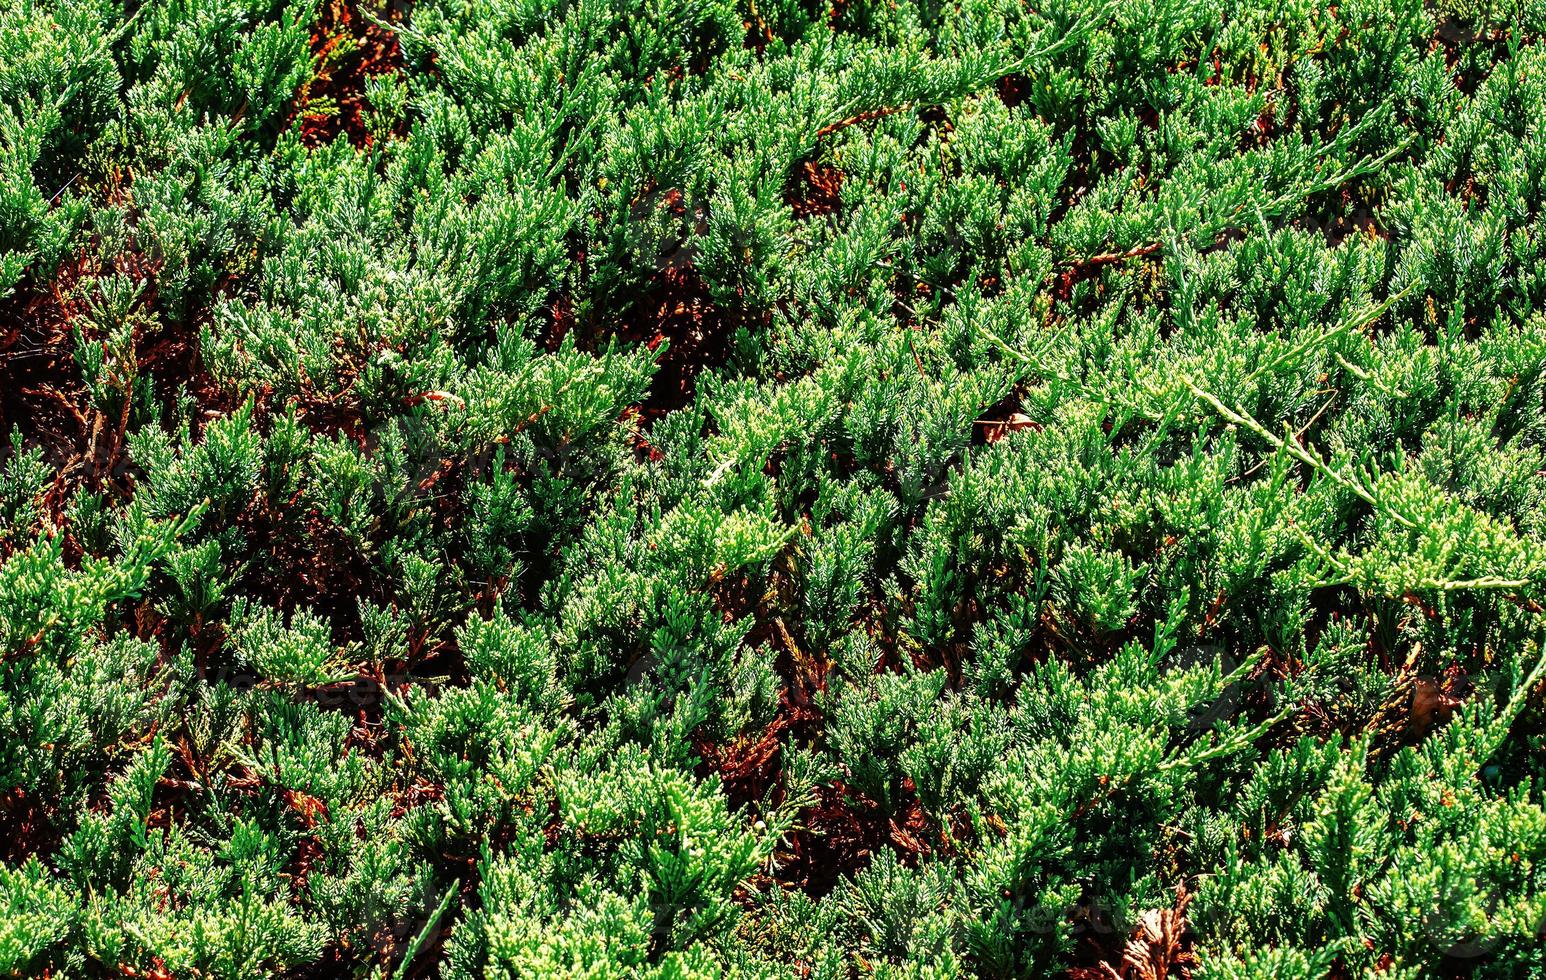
[[1293, 448], [1072, 36], [1298, 434], [860, 117], [1111, 258], [1222, 223], [1499, 728], [431, 927], [1357, 321]]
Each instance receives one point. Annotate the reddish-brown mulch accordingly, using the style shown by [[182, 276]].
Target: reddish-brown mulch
[[41, 393], [679, 313], [1156, 947], [347, 49], [842, 831], [1002, 418], [676, 317], [26, 829], [815, 190], [312, 564]]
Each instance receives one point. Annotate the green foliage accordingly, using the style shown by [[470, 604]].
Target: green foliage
[[701, 488]]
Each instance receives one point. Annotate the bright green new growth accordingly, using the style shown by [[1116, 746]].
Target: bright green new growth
[[701, 488]]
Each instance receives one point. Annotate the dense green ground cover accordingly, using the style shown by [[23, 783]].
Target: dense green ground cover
[[683, 488]]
